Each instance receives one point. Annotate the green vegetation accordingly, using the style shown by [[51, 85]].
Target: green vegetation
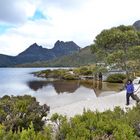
[[115, 47], [17, 112], [85, 70], [112, 125], [71, 74], [81, 58], [26, 134], [116, 78], [62, 74]]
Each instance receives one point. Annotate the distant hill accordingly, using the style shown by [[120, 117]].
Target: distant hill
[[83, 57], [137, 25], [38, 53], [6, 60]]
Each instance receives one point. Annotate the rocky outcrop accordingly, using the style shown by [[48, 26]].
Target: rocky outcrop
[[61, 48]]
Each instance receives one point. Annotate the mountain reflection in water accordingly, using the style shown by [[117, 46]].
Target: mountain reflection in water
[[59, 86], [63, 86], [19, 81]]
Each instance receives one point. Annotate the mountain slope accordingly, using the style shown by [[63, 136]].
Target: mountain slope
[[38, 53], [34, 53], [6, 60], [83, 57]]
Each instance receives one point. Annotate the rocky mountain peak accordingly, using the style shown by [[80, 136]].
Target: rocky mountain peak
[[37, 53], [65, 45], [35, 45], [34, 48], [58, 43]]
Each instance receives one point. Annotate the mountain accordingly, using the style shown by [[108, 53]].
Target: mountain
[[61, 48], [83, 57], [34, 53], [6, 60], [80, 58], [137, 25], [38, 53]]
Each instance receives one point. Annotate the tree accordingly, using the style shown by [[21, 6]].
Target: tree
[[116, 40], [134, 56], [116, 59]]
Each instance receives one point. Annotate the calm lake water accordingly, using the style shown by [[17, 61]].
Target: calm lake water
[[19, 81]]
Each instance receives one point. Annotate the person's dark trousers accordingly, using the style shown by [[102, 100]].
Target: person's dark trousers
[[132, 96]]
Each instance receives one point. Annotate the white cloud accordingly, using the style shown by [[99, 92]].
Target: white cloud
[[15, 12], [63, 4], [77, 20]]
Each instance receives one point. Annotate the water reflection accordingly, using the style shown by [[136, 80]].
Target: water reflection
[[59, 86], [100, 85], [63, 86], [19, 81]]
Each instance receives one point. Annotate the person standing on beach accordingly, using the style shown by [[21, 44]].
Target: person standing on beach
[[100, 76], [130, 92]]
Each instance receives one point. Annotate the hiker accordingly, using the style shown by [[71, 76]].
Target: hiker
[[100, 76], [130, 92]]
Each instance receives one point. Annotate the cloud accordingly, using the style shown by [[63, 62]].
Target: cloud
[[15, 12], [63, 4], [52, 20]]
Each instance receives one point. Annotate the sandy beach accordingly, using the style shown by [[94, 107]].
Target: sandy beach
[[100, 104]]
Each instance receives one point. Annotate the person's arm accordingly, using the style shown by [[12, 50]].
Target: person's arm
[[132, 87], [125, 86]]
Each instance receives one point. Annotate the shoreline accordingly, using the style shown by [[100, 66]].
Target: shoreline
[[99, 104]]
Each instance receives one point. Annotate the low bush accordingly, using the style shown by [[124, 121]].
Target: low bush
[[69, 76], [108, 125], [111, 125], [116, 78], [17, 112]]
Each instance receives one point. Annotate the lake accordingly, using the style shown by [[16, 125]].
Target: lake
[[20, 81]]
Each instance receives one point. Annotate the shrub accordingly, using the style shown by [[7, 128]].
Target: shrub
[[85, 71], [69, 76], [108, 125], [116, 78], [17, 112]]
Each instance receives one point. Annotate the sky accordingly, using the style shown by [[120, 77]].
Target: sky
[[24, 22]]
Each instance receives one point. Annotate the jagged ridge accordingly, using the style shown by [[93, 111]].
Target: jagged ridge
[[38, 53]]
